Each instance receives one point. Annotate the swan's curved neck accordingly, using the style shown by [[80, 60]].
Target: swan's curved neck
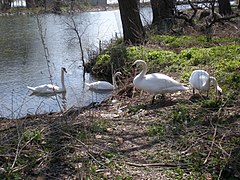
[[62, 80], [207, 83], [144, 70], [114, 81], [215, 83]]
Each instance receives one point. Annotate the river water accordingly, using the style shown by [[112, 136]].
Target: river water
[[23, 62]]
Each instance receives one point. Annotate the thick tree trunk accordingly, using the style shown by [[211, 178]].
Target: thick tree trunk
[[163, 13], [224, 7], [30, 3], [36, 3], [133, 32], [155, 10]]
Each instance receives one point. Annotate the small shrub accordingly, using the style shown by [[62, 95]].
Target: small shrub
[[81, 134], [156, 130], [212, 103], [180, 119], [103, 59], [100, 126], [135, 109], [34, 135]]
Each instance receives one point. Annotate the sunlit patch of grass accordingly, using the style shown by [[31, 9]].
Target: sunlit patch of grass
[[81, 134], [100, 126], [135, 109], [103, 59], [156, 130], [189, 41], [33, 135], [211, 103], [180, 118]]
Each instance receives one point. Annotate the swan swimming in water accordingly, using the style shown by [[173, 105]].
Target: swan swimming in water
[[104, 85], [155, 83], [201, 80], [50, 88]]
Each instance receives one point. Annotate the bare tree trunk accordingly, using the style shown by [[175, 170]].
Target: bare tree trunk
[[163, 13], [30, 3], [155, 10], [224, 7], [133, 31]]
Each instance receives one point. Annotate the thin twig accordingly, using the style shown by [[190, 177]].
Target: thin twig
[[157, 164], [213, 141], [18, 146], [46, 55], [88, 151], [17, 152]]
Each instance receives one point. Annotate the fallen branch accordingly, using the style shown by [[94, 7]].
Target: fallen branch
[[157, 164]]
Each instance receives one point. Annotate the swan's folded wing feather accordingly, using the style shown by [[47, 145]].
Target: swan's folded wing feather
[[104, 85], [159, 83], [45, 88], [100, 85]]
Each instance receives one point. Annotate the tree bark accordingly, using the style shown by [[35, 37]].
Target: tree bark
[[30, 3], [163, 13], [224, 7], [133, 32]]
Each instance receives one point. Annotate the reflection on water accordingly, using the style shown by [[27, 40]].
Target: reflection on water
[[23, 62], [59, 97]]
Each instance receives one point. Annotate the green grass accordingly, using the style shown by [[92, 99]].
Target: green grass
[[189, 41]]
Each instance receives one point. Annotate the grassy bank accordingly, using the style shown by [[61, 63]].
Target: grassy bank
[[185, 137]]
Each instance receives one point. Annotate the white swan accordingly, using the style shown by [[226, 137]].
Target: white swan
[[155, 83], [104, 85], [201, 80], [50, 88]]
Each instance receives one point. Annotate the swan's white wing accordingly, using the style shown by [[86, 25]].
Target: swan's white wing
[[104, 85], [45, 88], [100, 85], [157, 83]]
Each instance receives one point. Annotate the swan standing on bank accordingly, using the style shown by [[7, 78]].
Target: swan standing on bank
[[104, 85], [50, 88], [155, 83], [201, 80]]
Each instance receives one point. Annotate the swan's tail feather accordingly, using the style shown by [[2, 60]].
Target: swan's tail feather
[[31, 88], [184, 88]]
